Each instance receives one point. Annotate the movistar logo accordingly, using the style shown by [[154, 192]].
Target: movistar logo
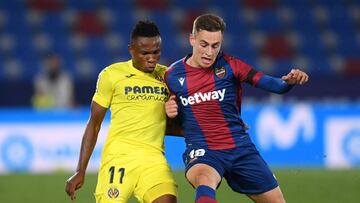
[[203, 97]]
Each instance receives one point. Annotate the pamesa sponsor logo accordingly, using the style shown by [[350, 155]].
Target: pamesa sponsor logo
[[155, 93]]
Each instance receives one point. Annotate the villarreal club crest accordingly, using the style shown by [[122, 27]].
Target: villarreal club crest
[[159, 78], [113, 193]]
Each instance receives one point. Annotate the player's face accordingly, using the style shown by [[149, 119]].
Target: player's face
[[145, 53], [206, 46]]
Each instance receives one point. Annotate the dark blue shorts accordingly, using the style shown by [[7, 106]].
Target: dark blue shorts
[[243, 167]]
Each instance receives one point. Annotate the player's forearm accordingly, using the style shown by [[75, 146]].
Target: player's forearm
[[90, 135], [87, 147], [173, 127], [275, 85]]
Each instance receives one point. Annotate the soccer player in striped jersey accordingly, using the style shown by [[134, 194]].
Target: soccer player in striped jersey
[[133, 160], [207, 99]]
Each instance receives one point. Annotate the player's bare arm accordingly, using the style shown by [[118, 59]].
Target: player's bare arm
[[173, 124], [87, 146], [173, 127], [283, 84]]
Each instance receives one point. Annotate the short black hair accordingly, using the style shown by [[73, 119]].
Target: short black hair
[[209, 22], [144, 29]]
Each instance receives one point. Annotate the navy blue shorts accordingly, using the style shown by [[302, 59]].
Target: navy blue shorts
[[243, 167]]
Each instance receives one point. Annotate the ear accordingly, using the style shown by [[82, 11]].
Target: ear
[[130, 48], [192, 39]]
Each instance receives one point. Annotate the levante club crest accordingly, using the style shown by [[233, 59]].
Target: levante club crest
[[220, 72]]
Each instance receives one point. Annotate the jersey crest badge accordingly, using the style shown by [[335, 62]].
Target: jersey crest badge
[[181, 81], [159, 78], [113, 193], [220, 72]]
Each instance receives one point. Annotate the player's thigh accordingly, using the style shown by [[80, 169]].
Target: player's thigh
[[162, 193], [203, 174], [116, 179], [156, 179], [203, 165], [273, 196], [250, 174]]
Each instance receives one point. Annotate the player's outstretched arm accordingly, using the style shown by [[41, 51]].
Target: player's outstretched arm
[[283, 85], [87, 146]]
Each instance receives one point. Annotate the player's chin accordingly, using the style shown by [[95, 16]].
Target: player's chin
[[205, 65], [150, 69], [206, 62]]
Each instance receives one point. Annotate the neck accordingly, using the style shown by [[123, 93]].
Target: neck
[[192, 63], [136, 66]]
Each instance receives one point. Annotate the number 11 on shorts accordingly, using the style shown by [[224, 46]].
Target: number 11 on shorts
[[112, 173]]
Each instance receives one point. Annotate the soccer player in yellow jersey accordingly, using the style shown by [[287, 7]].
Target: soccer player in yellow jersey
[[133, 159]]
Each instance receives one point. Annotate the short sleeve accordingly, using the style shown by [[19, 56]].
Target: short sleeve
[[244, 72], [104, 89]]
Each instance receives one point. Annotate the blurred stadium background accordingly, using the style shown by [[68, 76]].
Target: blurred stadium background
[[310, 136]]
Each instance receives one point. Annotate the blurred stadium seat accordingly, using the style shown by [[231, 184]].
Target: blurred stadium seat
[[278, 35]]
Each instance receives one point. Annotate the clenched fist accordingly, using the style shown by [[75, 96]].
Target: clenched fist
[[171, 107]]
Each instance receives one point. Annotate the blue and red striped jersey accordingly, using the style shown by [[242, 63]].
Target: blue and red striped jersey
[[209, 100]]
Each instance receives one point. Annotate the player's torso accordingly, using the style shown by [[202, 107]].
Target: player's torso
[[137, 107], [208, 103]]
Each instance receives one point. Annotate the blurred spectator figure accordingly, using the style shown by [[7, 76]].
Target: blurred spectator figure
[[53, 86]]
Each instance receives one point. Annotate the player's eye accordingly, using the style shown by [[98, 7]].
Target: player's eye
[[215, 46]]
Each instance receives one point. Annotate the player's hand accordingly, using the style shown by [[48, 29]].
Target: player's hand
[[296, 77], [73, 183], [171, 107]]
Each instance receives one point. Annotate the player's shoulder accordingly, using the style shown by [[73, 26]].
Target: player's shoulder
[[235, 61], [177, 63], [232, 58], [118, 67], [160, 68], [175, 66]]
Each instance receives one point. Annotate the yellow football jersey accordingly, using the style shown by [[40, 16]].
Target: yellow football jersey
[[136, 100]]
